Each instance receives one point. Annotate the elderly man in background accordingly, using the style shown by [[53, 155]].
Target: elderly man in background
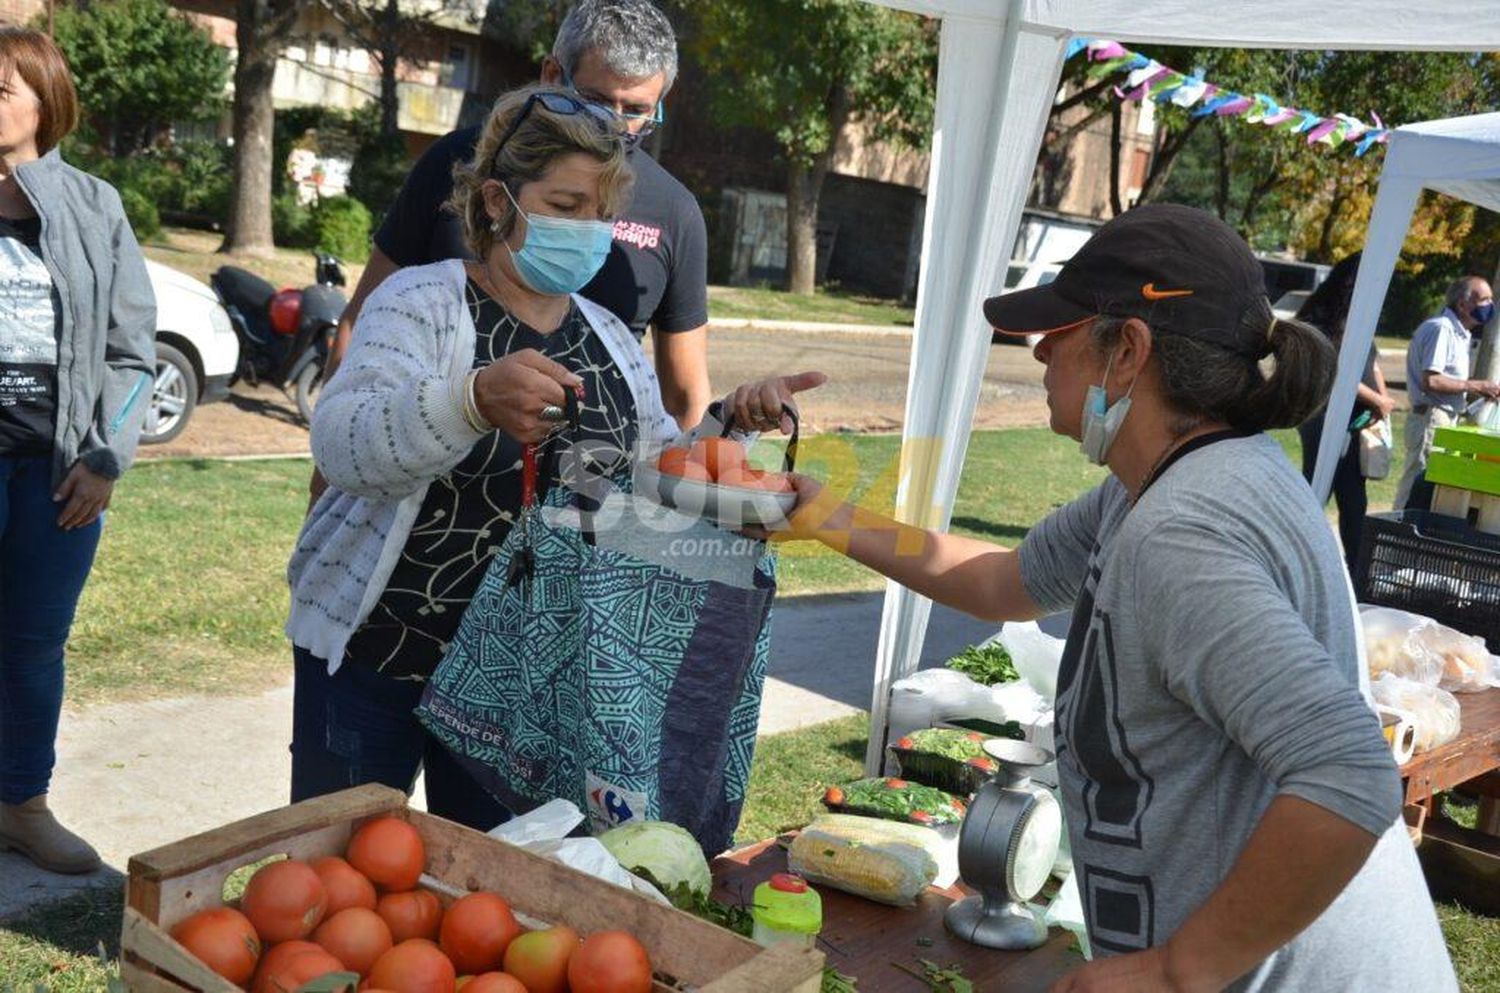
[[1437, 379]]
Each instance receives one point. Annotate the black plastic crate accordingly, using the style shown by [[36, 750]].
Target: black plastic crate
[[1433, 565]]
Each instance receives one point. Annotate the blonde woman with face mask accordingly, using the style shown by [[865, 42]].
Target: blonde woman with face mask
[[453, 368]]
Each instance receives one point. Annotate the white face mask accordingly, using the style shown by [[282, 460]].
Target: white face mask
[[1101, 419]]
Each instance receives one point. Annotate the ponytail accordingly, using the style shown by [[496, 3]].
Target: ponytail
[[1204, 380], [1301, 376]]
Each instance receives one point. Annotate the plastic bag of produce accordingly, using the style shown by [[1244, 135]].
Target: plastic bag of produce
[[1433, 712], [878, 860], [1392, 645], [1468, 666], [895, 799]]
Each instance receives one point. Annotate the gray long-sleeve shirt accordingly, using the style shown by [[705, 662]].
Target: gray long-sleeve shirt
[[1212, 666]]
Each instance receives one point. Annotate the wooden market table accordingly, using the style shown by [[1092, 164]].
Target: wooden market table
[[1472, 755], [867, 940], [1461, 863]]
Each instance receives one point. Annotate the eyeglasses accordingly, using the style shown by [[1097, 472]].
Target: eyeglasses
[[641, 125], [564, 106]]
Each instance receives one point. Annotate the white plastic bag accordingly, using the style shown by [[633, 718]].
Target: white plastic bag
[[1037, 656], [930, 696], [1375, 450], [544, 831], [1433, 712], [1392, 645], [1467, 665]]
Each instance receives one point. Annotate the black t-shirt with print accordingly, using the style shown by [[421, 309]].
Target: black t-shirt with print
[[657, 270], [467, 513], [29, 320]]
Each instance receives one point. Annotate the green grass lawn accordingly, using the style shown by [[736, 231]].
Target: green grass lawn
[[828, 306]]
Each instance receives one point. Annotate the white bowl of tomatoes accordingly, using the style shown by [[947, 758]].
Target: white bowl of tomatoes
[[714, 480]]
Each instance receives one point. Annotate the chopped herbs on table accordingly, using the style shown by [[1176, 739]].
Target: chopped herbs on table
[[937, 978], [836, 982], [987, 664], [897, 800]]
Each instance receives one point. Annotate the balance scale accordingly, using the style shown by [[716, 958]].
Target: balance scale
[[1006, 848]]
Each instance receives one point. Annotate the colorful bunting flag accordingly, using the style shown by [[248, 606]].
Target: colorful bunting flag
[[1149, 79]]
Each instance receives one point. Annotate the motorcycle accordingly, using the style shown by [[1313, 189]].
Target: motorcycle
[[284, 334]]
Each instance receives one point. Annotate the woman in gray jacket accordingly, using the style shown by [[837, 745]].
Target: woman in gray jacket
[[77, 324]]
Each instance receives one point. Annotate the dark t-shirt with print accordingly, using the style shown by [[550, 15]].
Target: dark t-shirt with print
[[657, 270], [466, 514], [29, 316]]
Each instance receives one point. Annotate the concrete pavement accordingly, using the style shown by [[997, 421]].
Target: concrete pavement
[[134, 776]]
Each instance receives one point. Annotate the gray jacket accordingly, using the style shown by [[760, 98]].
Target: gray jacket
[[106, 347]]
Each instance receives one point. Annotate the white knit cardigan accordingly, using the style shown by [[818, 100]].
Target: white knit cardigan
[[388, 425]]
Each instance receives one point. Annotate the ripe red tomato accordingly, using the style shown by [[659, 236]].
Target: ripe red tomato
[[346, 886], [610, 962], [677, 462], [356, 937], [415, 966], [413, 914], [284, 900], [389, 852], [224, 940], [717, 454], [475, 932]]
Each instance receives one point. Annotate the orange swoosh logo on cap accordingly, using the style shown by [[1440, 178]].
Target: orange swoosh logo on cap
[[1150, 292]]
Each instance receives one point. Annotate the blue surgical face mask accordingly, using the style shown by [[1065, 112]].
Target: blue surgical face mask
[[560, 255], [1484, 312], [1101, 419]]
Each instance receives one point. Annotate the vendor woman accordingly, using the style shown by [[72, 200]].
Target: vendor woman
[[1232, 806]]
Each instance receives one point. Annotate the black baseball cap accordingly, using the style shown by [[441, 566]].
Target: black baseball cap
[[1179, 269]]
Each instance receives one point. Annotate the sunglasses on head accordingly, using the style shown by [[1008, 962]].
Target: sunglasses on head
[[564, 106]]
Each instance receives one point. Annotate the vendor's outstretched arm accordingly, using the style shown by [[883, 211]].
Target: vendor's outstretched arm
[[963, 573]]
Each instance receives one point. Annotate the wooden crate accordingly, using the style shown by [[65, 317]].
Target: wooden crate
[[169, 883]]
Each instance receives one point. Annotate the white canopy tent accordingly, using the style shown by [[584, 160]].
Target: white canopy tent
[[1459, 156], [999, 66]]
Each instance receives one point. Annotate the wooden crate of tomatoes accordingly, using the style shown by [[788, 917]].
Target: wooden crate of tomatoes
[[375, 896]]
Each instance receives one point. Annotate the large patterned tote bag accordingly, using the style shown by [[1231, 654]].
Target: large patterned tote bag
[[619, 666]]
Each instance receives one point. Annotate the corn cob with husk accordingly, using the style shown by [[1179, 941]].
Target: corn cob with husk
[[880, 860]]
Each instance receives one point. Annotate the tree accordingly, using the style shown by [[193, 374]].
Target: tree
[[806, 70], [389, 30], [1278, 191], [262, 28], [140, 66]]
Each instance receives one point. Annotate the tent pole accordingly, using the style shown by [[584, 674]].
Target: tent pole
[[1487, 365], [995, 84]]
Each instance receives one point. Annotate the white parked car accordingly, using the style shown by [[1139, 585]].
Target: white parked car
[[196, 352]]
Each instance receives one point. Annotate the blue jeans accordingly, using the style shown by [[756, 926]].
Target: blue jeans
[[357, 727], [42, 572]]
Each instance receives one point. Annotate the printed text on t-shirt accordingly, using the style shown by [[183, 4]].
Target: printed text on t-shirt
[[637, 234]]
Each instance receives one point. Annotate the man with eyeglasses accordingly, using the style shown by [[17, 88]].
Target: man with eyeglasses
[[620, 55]]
